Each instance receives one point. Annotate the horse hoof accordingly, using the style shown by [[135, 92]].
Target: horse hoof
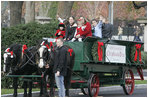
[[46, 95], [14, 95], [30, 95], [51, 95], [40, 95]]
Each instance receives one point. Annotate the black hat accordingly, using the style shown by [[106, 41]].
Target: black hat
[[62, 25]]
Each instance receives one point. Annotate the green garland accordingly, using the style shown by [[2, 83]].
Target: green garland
[[144, 58], [94, 51]]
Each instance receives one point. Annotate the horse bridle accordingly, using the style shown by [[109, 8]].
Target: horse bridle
[[48, 49]]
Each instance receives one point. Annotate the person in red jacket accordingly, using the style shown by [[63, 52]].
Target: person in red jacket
[[78, 32], [61, 31], [87, 31]]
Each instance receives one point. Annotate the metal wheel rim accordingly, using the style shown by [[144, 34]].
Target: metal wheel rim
[[129, 82], [93, 86]]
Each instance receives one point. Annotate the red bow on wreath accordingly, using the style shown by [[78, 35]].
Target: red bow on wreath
[[24, 48], [138, 46], [100, 53], [70, 51]]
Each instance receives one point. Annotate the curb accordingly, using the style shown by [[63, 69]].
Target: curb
[[139, 86]]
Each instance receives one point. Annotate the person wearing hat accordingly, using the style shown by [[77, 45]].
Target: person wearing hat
[[70, 27], [60, 33]]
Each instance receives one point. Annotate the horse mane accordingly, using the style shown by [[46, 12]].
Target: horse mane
[[17, 49], [32, 49], [40, 41]]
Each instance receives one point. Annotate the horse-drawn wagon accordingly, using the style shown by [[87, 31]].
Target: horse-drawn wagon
[[105, 62], [101, 62]]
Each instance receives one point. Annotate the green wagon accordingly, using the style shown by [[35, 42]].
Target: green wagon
[[108, 62], [100, 62]]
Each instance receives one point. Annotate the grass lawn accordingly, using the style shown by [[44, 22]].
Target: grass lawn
[[140, 82], [10, 91]]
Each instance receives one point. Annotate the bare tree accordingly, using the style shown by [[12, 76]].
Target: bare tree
[[64, 9], [93, 9], [96, 3], [15, 12], [30, 11]]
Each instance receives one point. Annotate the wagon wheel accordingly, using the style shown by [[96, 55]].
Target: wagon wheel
[[128, 87], [93, 85], [84, 91]]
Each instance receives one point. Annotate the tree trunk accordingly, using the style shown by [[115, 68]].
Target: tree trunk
[[44, 8], [64, 9], [30, 11], [15, 12]]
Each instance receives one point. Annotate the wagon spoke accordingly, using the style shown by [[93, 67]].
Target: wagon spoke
[[129, 82], [94, 87]]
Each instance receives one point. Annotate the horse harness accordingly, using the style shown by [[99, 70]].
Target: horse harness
[[24, 47]]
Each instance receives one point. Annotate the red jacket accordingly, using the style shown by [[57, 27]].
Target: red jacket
[[62, 35], [78, 31], [87, 31]]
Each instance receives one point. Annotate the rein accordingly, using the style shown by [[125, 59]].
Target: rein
[[29, 59]]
